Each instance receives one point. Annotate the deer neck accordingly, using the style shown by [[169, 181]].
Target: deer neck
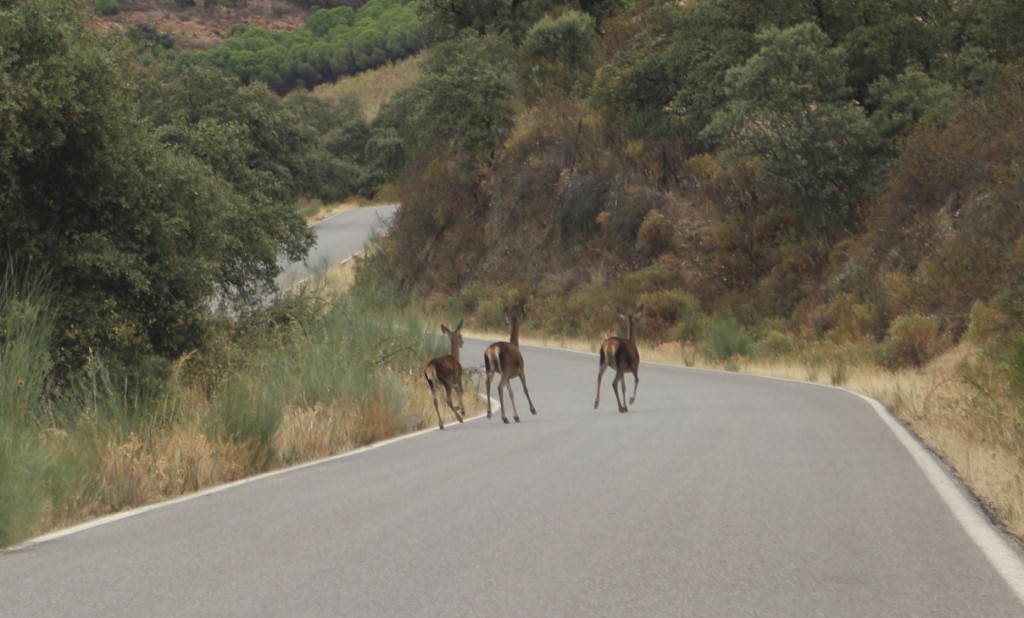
[[630, 328], [455, 350], [513, 337]]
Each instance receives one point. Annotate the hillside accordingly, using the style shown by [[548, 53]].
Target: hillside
[[204, 25], [839, 187]]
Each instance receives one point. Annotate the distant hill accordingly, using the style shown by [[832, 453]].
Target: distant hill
[[205, 23]]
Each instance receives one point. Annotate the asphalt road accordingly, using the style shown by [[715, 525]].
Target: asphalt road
[[717, 495], [339, 237]]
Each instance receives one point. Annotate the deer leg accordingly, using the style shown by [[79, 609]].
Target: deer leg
[[522, 377], [433, 396], [501, 399], [512, 399], [600, 374], [460, 412], [448, 396], [636, 383], [620, 381], [490, 376]]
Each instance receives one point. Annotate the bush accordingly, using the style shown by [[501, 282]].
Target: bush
[[912, 341], [23, 467], [725, 339], [670, 314], [248, 415], [107, 7], [986, 324], [1013, 362], [27, 329], [657, 235], [586, 313], [777, 344]]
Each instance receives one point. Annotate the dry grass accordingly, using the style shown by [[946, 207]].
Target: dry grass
[[934, 403], [372, 89], [183, 459]]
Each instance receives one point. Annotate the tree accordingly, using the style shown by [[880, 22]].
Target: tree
[[139, 236], [557, 55], [464, 100], [900, 103], [994, 28], [447, 19], [789, 108]]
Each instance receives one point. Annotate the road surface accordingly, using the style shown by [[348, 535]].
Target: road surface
[[339, 237], [718, 494]]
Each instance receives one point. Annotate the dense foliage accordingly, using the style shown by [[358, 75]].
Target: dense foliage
[[334, 43], [845, 170], [138, 236]]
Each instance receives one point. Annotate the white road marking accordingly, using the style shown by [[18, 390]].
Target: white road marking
[[1000, 553]]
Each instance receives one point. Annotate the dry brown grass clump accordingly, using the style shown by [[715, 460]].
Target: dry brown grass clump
[[372, 89]]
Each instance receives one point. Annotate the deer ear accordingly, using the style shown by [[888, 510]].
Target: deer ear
[[444, 329], [459, 327], [639, 310]]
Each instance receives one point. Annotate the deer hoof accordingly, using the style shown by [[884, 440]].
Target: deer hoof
[[505, 420]]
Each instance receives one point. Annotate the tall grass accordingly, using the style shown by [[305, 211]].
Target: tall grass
[[26, 328], [320, 372]]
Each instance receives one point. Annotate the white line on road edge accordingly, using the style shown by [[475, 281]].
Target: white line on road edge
[[102, 521], [1003, 556], [219, 488], [1006, 561]]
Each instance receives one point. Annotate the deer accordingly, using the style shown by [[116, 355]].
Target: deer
[[505, 358], [446, 371], [621, 355]]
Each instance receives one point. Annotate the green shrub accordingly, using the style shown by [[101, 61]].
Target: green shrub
[[245, 412], [569, 317], [656, 235], [670, 314], [107, 7], [655, 277], [851, 320], [26, 332], [777, 345], [725, 339], [986, 324], [911, 342], [24, 464], [1013, 359]]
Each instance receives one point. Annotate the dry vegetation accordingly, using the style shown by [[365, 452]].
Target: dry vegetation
[[201, 26], [137, 470], [973, 429], [371, 89]]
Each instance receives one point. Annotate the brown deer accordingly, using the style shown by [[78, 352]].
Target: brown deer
[[505, 358], [446, 371], [621, 355]]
